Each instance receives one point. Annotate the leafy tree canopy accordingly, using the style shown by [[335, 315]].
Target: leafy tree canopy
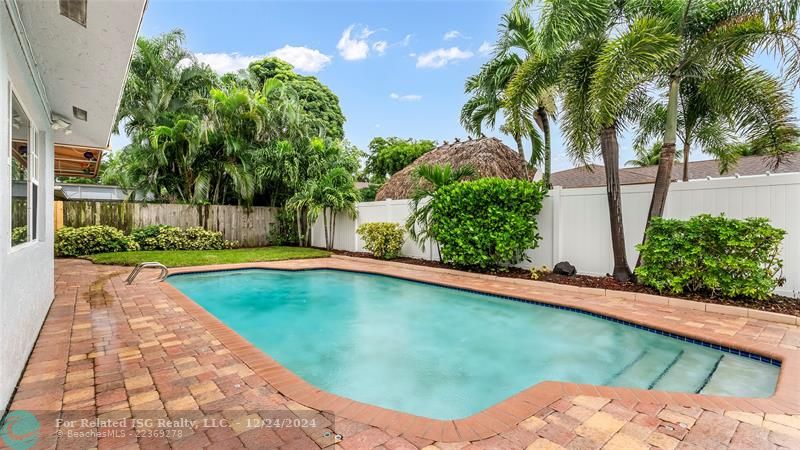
[[389, 155], [316, 99]]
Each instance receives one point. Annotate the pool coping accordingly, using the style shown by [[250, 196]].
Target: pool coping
[[508, 413]]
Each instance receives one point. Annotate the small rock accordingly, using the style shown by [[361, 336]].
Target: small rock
[[564, 268]]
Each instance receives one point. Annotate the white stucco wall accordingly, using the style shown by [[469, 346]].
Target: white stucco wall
[[26, 271]]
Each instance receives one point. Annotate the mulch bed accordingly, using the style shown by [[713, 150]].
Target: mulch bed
[[776, 303]]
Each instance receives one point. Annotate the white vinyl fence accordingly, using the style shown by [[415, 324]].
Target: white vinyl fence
[[574, 223]]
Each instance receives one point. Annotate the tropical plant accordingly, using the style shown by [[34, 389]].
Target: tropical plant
[[713, 42], [160, 117], [526, 109], [718, 109], [332, 193], [428, 178], [486, 223], [647, 156], [603, 84], [247, 138], [383, 239]]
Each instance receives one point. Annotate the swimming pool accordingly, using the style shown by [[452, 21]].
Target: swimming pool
[[445, 353]]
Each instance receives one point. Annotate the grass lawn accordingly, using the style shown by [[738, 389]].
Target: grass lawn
[[179, 258]]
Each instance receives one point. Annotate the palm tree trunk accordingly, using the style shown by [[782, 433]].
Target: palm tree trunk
[[664, 173], [609, 147], [307, 230], [520, 148], [300, 235], [333, 229], [325, 224], [686, 145], [547, 157]]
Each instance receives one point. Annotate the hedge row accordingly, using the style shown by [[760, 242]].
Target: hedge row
[[105, 239]]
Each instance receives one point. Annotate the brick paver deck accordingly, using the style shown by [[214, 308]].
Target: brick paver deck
[[117, 352]]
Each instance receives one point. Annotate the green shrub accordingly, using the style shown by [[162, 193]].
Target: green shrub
[[717, 255], [383, 239], [284, 230], [93, 239], [147, 237], [164, 237], [488, 222], [19, 235]]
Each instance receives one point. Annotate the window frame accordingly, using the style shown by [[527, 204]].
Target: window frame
[[33, 150]]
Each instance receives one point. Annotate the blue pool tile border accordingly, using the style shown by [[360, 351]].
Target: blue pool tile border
[[722, 348]]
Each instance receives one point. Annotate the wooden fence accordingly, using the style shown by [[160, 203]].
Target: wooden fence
[[249, 226]]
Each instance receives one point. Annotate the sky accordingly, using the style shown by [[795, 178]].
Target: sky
[[398, 67]]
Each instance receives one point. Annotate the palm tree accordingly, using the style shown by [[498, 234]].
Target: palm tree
[[714, 42], [428, 178], [647, 156], [242, 121], [718, 111], [338, 194], [530, 109], [487, 101], [334, 192], [163, 79], [603, 84]]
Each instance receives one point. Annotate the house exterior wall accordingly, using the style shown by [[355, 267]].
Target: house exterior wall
[[26, 270], [574, 223]]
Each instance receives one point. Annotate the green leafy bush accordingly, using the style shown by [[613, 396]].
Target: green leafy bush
[[92, 239], [488, 222], [147, 237], [717, 255], [383, 239], [284, 230], [164, 237], [19, 235]]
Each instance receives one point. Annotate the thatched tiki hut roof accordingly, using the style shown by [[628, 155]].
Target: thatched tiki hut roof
[[489, 157]]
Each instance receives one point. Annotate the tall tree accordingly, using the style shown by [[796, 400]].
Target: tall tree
[[603, 83], [716, 38], [320, 104], [529, 113], [389, 155], [720, 109]]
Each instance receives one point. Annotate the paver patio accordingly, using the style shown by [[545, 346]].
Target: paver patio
[[112, 351]]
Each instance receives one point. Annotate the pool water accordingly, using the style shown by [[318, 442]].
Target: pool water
[[445, 353]]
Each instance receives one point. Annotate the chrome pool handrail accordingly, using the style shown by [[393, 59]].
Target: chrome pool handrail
[[135, 272]]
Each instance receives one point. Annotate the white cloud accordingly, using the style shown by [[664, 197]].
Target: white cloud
[[405, 97], [438, 58], [454, 34], [226, 62], [380, 47], [406, 40], [303, 59], [351, 48], [485, 48]]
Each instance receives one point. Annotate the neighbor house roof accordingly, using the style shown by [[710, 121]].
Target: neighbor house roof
[[489, 156], [594, 174]]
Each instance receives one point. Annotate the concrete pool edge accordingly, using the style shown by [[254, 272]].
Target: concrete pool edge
[[508, 413]]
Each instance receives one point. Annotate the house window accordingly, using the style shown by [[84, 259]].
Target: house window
[[22, 158]]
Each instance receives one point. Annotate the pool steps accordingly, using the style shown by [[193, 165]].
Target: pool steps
[[672, 371]]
